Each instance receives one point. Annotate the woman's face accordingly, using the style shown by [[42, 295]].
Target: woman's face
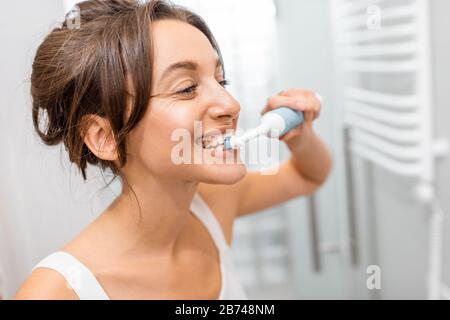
[[190, 103]]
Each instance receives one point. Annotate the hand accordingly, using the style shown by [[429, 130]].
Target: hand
[[297, 99]]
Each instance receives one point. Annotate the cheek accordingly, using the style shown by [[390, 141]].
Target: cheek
[[151, 140]]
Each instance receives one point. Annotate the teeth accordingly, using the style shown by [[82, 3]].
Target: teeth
[[212, 142]]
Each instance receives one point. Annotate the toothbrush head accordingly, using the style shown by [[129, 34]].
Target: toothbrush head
[[211, 142], [227, 145]]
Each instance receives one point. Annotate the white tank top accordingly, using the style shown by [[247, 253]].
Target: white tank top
[[86, 286]]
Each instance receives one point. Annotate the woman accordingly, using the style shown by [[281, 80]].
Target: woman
[[113, 91]]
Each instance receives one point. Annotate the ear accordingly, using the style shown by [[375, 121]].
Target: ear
[[99, 137]]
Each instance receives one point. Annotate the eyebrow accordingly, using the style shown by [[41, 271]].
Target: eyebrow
[[186, 65]]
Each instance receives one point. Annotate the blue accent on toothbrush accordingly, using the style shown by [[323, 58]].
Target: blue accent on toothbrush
[[226, 143], [289, 116]]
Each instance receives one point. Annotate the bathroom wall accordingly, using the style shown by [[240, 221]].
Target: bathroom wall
[[399, 219], [392, 226]]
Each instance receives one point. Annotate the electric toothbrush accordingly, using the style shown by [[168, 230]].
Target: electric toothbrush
[[274, 124]]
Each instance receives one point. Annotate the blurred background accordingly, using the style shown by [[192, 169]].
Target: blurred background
[[377, 229]]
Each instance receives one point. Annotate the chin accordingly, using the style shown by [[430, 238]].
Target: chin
[[223, 173], [222, 167]]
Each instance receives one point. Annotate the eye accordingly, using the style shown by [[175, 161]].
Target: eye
[[188, 91], [224, 83]]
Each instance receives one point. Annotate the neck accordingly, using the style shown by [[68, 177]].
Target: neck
[[151, 213]]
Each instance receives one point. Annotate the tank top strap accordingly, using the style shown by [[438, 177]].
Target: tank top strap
[[78, 276], [207, 217]]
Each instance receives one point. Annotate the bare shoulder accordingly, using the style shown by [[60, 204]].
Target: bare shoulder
[[45, 284], [223, 202]]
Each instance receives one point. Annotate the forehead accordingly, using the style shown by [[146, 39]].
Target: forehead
[[175, 41]]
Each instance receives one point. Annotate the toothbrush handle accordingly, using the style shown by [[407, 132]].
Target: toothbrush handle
[[283, 119], [291, 118]]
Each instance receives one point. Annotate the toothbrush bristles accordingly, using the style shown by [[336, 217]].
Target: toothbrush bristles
[[212, 142]]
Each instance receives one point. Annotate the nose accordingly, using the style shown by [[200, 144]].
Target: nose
[[224, 108]]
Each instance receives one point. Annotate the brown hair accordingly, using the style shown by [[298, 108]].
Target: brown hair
[[82, 71]]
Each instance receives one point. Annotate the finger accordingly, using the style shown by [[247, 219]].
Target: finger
[[318, 109], [319, 98], [308, 96], [288, 135], [275, 102], [317, 114]]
